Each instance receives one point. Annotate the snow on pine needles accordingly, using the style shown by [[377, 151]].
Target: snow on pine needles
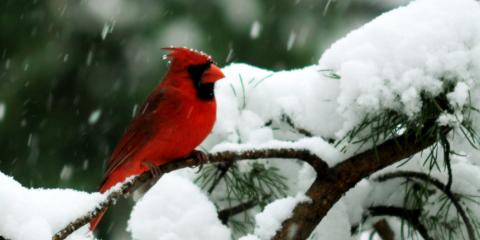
[[415, 50]]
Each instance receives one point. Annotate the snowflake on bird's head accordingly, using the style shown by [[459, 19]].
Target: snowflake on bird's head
[[186, 56]]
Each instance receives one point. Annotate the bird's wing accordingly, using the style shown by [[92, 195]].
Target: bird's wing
[[140, 131]]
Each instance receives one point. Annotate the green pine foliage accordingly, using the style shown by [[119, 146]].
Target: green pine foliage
[[259, 185], [442, 221]]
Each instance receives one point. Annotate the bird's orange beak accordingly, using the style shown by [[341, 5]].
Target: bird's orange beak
[[212, 75]]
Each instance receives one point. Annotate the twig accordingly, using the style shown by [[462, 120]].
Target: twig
[[300, 130], [446, 157], [439, 185], [223, 169], [225, 214], [384, 230], [412, 216], [221, 157]]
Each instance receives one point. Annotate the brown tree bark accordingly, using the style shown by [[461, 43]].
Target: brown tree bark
[[325, 192]]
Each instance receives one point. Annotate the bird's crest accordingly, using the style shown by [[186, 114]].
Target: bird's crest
[[186, 56]]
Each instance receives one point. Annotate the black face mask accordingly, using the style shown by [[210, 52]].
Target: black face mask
[[204, 90]]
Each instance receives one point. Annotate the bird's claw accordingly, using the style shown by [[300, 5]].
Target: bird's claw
[[200, 157], [154, 170]]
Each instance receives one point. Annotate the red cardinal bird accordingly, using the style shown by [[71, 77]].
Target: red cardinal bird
[[176, 117]]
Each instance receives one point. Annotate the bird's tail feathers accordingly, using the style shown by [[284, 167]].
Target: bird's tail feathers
[[94, 222], [107, 183]]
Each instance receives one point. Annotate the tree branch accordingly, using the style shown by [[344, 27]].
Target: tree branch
[[221, 157], [384, 230], [412, 216], [446, 158], [225, 214], [439, 185], [329, 186], [325, 192], [222, 169]]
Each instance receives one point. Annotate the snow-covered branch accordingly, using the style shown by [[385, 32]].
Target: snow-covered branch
[[331, 182], [325, 192], [220, 157], [412, 216]]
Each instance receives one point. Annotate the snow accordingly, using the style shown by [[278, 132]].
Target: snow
[[107, 29], [134, 110], [305, 178], [2, 111], [249, 237], [175, 208], [249, 97], [66, 173], [316, 145], [29, 140], [7, 64], [94, 116], [390, 61], [458, 98], [291, 40], [31, 213], [255, 30], [384, 3], [270, 220], [355, 200], [335, 225], [89, 58]]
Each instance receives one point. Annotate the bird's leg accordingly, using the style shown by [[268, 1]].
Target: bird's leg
[[154, 170], [200, 157]]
